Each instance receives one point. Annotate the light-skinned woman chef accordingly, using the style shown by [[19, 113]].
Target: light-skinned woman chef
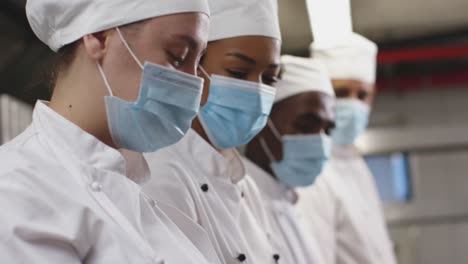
[[292, 151], [69, 193], [343, 208], [203, 175]]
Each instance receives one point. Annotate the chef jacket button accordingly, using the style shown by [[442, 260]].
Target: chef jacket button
[[96, 186], [276, 257], [241, 258], [205, 187], [242, 194]]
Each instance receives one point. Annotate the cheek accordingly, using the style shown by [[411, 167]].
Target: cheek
[[210, 69], [212, 66], [288, 128], [124, 76], [370, 100], [255, 77], [206, 91]]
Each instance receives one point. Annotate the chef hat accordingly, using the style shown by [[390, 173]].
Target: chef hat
[[302, 75], [330, 20], [61, 22], [354, 58], [235, 18]]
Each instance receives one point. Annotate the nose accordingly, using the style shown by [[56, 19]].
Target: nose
[[192, 70]]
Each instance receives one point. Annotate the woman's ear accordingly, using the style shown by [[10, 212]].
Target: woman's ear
[[97, 44]]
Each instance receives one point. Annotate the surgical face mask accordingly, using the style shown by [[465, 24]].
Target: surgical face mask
[[304, 157], [236, 110], [167, 104], [352, 118]]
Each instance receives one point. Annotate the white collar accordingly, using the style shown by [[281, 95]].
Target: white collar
[[272, 188], [225, 163], [344, 152], [88, 150]]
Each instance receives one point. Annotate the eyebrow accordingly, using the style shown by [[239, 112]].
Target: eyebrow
[[315, 117], [249, 59], [311, 117], [186, 38], [242, 57]]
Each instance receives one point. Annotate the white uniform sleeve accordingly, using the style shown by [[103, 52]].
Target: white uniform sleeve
[[30, 229]]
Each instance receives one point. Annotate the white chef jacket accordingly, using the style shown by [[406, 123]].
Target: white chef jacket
[[289, 231], [345, 214], [64, 198], [213, 189]]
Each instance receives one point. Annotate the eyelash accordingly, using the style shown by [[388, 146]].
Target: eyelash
[[237, 74], [270, 81], [243, 76], [176, 60]]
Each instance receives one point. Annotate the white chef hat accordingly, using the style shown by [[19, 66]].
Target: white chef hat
[[353, 58], [300, 75], [61, 22], [235, 18]]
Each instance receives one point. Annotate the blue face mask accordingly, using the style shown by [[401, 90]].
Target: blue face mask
[[236, 111], [304, 157], [167, 104], [352, 118]]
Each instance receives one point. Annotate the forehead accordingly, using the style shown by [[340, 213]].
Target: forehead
[[309, 102], [190, 24], [256, 47], [352, 84]]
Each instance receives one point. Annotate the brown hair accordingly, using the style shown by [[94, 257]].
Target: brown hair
[[60, 62]]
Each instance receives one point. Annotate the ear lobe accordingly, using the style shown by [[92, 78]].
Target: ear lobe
[[96, 45]]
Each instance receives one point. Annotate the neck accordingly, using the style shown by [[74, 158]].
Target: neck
[[255, 153], [197, 126], [79, 97]]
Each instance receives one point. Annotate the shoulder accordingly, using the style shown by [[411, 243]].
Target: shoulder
[[28, 179], [38, 207], [24, 157]]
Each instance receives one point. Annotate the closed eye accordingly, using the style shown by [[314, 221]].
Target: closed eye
[[237, 74], [271, 81], [176, 61]]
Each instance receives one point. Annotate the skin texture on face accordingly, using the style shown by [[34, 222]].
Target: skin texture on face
[[354, 89], [305, 113], [250, 58], [175, 41]]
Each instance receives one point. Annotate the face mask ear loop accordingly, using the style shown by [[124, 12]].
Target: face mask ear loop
[[128, 48], [204, 72], [106, 82], [266, 149], [274, 130]]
